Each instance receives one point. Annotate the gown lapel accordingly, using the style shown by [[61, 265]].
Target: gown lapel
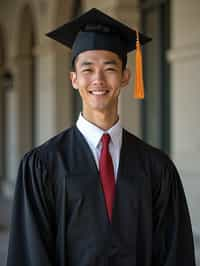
[[129, 179]]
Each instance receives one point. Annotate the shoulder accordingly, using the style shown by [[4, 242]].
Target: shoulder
[[45, 155], [56, 141], [52, 144], [156, 163], [144, 149], [41, 164]]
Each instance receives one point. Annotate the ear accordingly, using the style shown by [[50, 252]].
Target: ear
[[73, 78], [126, 75]]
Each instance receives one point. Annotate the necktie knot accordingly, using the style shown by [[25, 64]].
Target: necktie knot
[[105, 139]]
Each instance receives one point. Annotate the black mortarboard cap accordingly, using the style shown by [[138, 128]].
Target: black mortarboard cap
[[95, 30]]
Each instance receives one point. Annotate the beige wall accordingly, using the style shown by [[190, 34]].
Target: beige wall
[[185, 108]]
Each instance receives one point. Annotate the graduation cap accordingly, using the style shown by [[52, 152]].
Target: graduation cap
[[95, 30]]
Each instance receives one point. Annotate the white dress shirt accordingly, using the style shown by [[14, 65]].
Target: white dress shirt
[[93, 134]]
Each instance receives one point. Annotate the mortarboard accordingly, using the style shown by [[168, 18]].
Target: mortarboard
[[95, 30]]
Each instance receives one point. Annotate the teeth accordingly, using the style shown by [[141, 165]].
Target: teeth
[[98, 92]]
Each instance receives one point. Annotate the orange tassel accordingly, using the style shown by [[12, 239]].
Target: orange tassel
[[139, 83]]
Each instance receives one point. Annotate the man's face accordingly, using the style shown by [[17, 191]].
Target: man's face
[[99, 77]]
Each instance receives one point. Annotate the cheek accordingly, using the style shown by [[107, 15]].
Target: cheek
[[84, 81], [115, 82]]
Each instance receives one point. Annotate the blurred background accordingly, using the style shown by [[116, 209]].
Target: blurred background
[[37, 100]]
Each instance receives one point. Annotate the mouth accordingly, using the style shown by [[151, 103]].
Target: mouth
[[99, 92]]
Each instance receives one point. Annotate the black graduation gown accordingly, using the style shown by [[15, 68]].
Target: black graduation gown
[[59, 214]]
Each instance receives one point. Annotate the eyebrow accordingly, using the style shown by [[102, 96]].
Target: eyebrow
[[88, 63], [111, 62]]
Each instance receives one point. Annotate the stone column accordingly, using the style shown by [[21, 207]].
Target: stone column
[[11, 140], [63, 88], [2, 129], [53, 90], [46, 93]]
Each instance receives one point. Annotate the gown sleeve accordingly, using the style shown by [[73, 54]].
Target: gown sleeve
[[172, 236], [31, 241]]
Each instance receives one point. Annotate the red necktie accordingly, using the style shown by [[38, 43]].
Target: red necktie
[[107, 174]]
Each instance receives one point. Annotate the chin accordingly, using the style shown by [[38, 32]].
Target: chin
[[100, 107]]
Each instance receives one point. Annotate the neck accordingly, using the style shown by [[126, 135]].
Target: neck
[[103, 120]]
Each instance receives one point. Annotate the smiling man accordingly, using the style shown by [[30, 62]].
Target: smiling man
[[99, 77], [96, 195]]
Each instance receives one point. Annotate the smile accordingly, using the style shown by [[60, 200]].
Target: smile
[[98, 92]]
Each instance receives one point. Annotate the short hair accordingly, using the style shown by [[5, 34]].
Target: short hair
[[122, 58]]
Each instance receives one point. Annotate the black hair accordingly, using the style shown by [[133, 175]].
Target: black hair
[[123, 59]]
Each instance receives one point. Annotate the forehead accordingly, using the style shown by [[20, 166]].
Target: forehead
[[98, 57]]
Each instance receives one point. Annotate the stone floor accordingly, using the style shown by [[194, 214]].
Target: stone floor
[[5, 213]]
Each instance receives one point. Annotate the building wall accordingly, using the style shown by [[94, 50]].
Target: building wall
[[184, 57]]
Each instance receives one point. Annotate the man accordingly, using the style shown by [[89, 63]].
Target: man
[[96, 195]]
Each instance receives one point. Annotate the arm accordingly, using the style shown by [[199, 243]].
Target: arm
[[31, 240], [172, 236]]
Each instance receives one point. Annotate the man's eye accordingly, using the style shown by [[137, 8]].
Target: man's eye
[[110, 69], [87, 70]]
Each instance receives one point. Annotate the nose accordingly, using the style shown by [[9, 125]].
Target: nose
[[99, 78]]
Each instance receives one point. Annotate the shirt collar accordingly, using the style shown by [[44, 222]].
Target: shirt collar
[[93, 134]]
